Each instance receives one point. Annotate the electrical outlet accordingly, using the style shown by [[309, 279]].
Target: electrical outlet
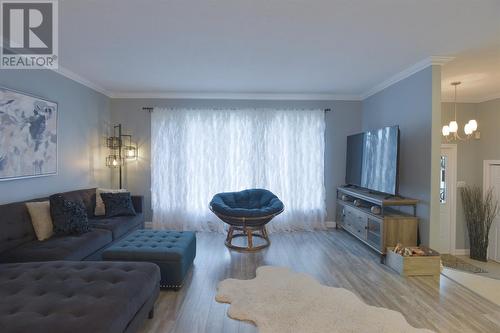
[[461, 183], [477, 135]]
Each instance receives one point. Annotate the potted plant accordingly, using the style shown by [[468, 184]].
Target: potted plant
[[480, 211]]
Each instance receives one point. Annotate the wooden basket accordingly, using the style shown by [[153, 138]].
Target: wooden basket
[[414, 265]]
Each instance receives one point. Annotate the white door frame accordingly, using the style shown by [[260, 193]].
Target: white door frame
[[452, 193], [486, 183]]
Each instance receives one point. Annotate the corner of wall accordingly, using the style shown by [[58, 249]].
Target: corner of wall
[[434, 233]]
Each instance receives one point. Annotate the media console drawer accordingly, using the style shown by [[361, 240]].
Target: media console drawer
[[355, 221], [374, 232], [378, 231]]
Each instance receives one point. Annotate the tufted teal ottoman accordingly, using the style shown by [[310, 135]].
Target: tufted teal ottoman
[[172, 251]]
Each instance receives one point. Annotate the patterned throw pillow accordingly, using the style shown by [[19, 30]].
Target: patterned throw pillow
[[68, 217], [99, 204], [118, 204]]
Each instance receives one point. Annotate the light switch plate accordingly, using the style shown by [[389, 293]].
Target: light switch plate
[[461, 183]]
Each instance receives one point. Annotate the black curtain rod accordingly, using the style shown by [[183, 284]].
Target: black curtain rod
[[150, 109]]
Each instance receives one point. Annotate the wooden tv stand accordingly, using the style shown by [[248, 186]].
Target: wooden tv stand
[[378, 231]]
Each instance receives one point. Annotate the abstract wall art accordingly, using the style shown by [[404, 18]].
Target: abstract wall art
[[28, 135]]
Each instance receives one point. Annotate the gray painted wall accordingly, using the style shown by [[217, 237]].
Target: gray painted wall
[[344, 119], [83, 119], [408, 103], [489, 126], [472, 153], [467, 162]]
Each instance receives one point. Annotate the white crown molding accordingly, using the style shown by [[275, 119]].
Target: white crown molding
[[232, 96], [489, 98], [438, 60], [433, 60], [77, 78], [461, 100], [205, 95], [475, 100]]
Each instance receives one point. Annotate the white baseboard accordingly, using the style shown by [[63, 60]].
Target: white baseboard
[[331, 224], [462, 252]]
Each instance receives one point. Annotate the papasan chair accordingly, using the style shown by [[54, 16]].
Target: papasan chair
[[247, 213]]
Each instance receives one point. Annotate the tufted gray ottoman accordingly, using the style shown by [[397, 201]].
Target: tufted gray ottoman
[[76, 296], [172, 251]]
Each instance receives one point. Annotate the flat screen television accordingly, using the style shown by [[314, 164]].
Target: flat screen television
[[372, 160]]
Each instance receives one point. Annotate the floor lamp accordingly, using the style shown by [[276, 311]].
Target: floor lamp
[[121, 148]]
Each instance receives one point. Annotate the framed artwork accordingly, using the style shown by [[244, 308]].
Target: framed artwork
[[28, 135]]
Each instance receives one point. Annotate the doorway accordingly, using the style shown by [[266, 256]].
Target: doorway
[[447, 198], [491, 179]]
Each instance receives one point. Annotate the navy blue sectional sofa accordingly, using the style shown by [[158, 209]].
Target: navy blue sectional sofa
[[55, 286], [18, 242]]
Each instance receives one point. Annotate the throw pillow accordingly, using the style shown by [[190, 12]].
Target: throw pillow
[[100, 209], [118, 204], [68, 217], [40, 218]]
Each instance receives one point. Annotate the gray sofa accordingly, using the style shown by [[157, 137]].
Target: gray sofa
[[18, 242], [53, 286]]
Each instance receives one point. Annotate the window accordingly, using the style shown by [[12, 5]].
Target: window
[[198, 153], [443, 193]]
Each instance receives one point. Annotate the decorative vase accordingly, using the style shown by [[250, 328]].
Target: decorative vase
[[479, 211], [478, 249]]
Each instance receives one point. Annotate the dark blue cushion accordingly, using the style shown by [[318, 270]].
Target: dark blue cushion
[[69, 217], [118, 204], [120, 225], [247, 203], [72, 247]]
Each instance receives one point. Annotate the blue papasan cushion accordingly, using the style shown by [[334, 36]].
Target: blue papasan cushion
[[247, 203]]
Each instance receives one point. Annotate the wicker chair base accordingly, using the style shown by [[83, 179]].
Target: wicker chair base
[[249, 232]]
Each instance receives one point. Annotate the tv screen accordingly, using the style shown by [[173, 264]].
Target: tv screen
[[372, 160]]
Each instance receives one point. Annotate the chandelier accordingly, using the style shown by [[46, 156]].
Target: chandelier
[[450, 131]]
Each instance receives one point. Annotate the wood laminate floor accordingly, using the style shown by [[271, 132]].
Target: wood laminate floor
[[334, 258]]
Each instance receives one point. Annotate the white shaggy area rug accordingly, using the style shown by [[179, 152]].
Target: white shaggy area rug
[[279, 300]]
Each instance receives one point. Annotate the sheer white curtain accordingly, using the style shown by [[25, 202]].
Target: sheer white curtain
[[196, 153]]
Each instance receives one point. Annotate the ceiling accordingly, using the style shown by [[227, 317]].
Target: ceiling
[[302, 47], [479, 74]]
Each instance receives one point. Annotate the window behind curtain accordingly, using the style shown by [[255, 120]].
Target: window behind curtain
[[198, 153]]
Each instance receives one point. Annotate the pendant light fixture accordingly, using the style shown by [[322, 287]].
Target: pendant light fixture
[[450, 131]]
